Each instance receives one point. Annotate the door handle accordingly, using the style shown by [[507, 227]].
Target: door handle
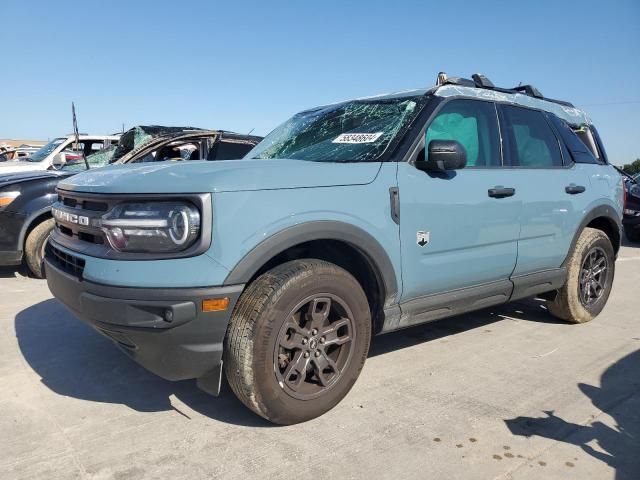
[[502, 192], [574, 189]]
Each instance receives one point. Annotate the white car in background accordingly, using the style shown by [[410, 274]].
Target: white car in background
[[56, 153]]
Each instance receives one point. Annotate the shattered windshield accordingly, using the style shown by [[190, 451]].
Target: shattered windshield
[[355, 131], [45, 151], [95, 160]]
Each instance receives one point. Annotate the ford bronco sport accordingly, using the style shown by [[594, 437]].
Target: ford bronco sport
[[348, 220]]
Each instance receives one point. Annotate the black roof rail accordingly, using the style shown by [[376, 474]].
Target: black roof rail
[[529, 90], [481, 81]]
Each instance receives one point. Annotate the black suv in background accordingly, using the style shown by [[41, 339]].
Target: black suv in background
[[26, 198], [631, 219]]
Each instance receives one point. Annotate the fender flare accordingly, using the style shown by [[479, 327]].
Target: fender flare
[[605, 211], [364, 242], [29, 220]]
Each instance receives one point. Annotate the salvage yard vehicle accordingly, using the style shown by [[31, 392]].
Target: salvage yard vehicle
[[26, 198], [352, 219], [55, 153], [631, 219]]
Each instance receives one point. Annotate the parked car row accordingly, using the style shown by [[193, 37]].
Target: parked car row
[[29, 191], [9, 152], [348, 220]]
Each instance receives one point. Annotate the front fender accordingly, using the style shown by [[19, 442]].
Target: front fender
[[315, 230]]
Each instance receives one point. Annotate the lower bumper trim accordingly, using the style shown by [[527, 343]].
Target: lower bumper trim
[[188, 346]]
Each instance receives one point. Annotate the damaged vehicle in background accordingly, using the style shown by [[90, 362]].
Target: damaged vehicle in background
[[58, 151], [26, 198], [631, 219]]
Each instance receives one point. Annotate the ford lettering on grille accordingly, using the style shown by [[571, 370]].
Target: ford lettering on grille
[[67, 217]]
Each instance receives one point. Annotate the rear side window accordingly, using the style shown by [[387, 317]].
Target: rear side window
[[578, 150], [229, 150], [532, 142], [473, 124]]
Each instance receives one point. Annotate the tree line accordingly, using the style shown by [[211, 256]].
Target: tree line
[[632, 168]]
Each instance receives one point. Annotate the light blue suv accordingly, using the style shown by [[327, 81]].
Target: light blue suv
[[348, 220]]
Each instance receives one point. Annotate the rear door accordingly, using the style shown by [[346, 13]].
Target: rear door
[[554, 191], [453, 232]]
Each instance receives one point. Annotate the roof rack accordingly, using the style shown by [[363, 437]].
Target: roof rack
[[481, 81]]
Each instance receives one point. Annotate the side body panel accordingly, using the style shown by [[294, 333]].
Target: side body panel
[[550, 215], [473, 237]]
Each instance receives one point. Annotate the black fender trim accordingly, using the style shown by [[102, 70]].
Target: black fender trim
[[604, 211], [29, 220], [375, 254]]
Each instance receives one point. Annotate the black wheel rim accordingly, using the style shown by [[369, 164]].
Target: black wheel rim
[[314, 346], [594, 275]]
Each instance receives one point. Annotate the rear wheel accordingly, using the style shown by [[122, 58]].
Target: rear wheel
[[297, 340], [34, 247], [590, 272]]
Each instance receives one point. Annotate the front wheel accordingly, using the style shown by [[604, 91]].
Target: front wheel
[[35, 245], [590, 272], [297, 340]]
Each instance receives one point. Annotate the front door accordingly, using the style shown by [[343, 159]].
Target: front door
[[455, 231]]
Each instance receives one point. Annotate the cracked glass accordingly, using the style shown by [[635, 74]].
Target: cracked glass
[[354, 131]]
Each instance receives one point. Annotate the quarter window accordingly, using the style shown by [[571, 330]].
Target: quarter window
[[532, 142], [473, 124]]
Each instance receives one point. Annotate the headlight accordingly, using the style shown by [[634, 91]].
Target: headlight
[[152, 227], [6, 198]]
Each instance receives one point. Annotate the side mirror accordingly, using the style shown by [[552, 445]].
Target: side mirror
[[59, 159], [443, 155]]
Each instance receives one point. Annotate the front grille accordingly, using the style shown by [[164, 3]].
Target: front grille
[[63, 261], [83, 204], [82, 224]]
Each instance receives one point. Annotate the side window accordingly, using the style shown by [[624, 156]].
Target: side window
[[532, 142], [473, 123], [96, 146], [76, 147]]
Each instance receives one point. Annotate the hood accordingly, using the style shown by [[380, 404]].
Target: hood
[[220, 176], [8, 178], [17, 166]]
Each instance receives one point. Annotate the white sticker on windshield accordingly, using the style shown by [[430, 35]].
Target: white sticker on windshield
[[357, 137]]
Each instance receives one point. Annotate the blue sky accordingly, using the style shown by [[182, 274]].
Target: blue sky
[[250, 65]]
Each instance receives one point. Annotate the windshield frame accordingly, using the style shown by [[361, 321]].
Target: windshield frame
[[421, 100]]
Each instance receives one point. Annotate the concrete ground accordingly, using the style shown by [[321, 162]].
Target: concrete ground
[[507, 393]]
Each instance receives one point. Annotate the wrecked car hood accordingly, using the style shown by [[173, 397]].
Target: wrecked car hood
[[27, 176], [220, 176]]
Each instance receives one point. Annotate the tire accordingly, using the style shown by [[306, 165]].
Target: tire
[[632, 234], [273, 314], [570, 303], [34, 247]]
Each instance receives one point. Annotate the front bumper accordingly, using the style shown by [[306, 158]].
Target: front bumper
[[137, 320]]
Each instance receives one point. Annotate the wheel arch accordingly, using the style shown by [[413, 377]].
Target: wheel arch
[[34, 219], [603, 218], [345, 245]]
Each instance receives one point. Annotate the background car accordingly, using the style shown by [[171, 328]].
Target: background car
[[631, 219], [55, 153], [26, 197]]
